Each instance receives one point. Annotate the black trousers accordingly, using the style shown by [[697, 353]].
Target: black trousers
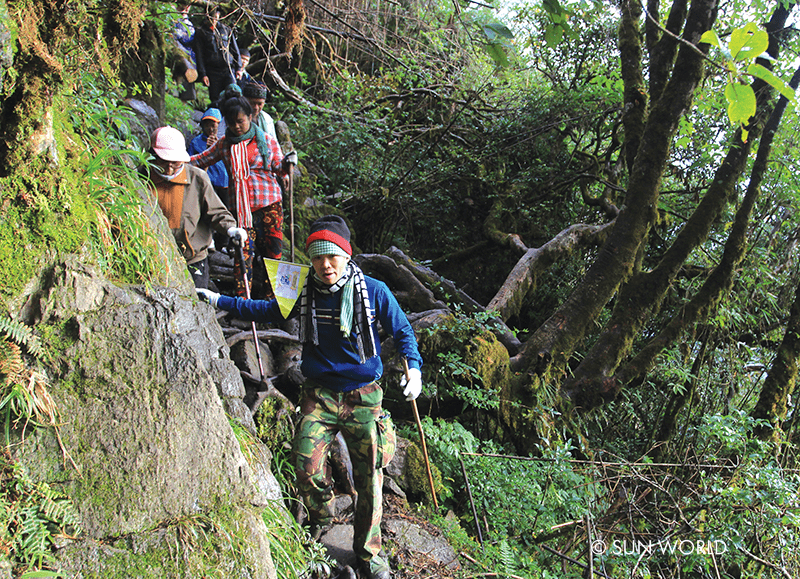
[[199, 272]]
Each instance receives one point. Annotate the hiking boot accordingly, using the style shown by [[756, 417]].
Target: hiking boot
[[375, 568]]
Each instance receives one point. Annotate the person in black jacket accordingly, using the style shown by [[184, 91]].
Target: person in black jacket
[[217, 54]]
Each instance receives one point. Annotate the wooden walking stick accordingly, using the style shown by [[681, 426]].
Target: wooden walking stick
[[422, 440], [287, 145], [240, 254]]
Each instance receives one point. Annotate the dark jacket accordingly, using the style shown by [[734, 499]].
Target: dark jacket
[[216, 49]]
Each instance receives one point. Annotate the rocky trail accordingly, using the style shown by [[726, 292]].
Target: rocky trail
[[413, 547]]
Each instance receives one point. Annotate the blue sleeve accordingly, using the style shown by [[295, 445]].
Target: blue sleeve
[[394, 321], [197, 145], [251, 310]]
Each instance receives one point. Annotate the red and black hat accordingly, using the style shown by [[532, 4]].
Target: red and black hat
[[332, 229]]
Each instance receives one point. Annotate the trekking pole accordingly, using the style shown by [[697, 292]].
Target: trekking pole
[[422, 440], [291, 212], [240, 255]]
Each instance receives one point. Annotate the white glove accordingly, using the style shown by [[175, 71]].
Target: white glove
[[290, 157], [238, 235], [412, 386], [207, 296]]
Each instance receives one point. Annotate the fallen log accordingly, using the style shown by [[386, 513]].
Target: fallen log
[[265, 335]]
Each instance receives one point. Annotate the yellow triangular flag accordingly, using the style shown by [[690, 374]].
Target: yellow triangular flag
[[287, 281]]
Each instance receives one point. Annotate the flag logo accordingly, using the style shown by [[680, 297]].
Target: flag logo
[[287, 281]]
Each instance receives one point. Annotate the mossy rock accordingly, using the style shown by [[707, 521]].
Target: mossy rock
[[416, 474], [144, 449]]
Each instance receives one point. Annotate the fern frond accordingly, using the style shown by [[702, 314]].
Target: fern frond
[[507, 558], [21, 334], [33, 536], [57, 508], [11, 363]]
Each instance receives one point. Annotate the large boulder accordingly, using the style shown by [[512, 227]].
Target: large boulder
[[146, 452]]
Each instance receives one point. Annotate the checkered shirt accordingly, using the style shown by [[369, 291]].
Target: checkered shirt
[[262, 182]]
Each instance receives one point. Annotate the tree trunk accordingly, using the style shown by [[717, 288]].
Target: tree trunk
[[773, 402], [550, 347], [593, 381]]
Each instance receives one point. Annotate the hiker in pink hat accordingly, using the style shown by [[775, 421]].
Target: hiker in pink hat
[[188, 201]]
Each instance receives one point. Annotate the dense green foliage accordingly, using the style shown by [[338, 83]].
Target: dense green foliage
[[426, 157], [449, 130]]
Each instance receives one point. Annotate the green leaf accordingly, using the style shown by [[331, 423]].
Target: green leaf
[[741, 102], [499, 29], [710, 37], [748, 42], [497, 54], [552, 6], [769, 77], [553, 35]]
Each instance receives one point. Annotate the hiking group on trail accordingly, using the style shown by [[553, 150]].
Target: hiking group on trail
[[230, 182]]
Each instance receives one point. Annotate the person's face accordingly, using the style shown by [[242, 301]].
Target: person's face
[[210, 127], [257, 105], [329, 268], [239, 125], [213, 18], [168, 168], [245, 60]]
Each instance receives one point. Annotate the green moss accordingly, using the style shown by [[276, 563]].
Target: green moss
[[40, 216], [490, 360], [417, 475], [57, 337], [208, 544], [273, 422]]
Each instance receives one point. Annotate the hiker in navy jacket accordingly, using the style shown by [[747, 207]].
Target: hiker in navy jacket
[[338, 309]]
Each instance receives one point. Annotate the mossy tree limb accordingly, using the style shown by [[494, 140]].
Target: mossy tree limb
[[508, 300], [773, 401]]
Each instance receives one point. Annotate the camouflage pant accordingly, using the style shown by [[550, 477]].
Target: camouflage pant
[[354, 414]]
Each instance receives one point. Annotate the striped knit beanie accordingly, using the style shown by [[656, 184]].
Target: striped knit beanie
[[329, 236], [255, 91]]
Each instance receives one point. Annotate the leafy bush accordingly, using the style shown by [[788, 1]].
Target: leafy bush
[[445, 442], [456, 352], [520, 497]]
